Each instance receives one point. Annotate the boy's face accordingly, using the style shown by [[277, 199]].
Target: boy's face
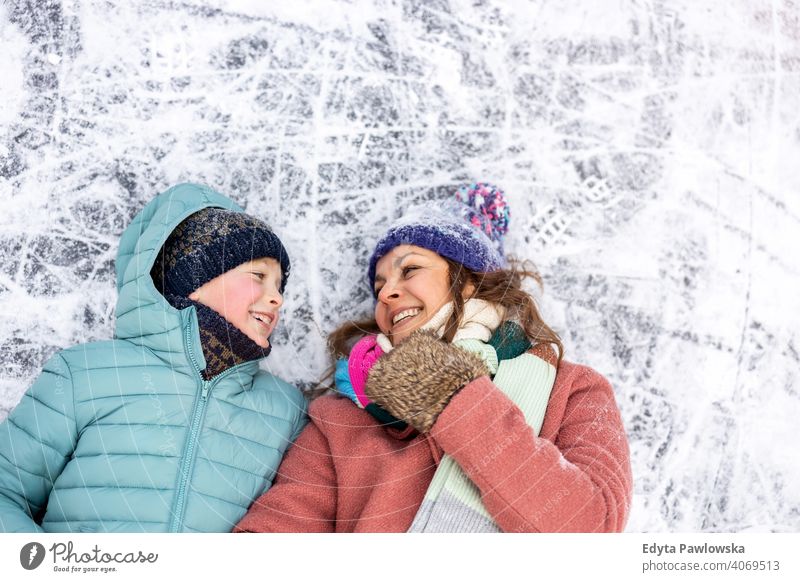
[[248, 296]]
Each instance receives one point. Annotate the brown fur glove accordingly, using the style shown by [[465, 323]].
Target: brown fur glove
[[416, 380]]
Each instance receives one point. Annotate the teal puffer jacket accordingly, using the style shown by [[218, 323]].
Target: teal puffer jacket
[[125, 435]]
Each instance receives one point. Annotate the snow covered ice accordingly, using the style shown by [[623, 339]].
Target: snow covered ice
[[648, 151]]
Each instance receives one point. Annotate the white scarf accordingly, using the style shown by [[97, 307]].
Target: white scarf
[[479, 321]]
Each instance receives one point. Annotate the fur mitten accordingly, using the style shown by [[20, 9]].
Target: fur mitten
[[416, 380]]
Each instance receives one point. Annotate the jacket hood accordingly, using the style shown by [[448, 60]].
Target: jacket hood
[[143, 315]]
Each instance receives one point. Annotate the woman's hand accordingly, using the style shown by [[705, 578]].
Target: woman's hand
[[416, 380]]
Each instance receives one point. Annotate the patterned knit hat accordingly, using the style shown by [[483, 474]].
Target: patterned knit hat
[[468, 229], [209, 243]]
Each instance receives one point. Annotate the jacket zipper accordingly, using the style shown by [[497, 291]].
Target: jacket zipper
[[187, 464]]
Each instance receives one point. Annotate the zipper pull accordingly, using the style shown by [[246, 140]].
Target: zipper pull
[[206, 387]]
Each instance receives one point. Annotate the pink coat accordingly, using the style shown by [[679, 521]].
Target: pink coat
[[346, 473]]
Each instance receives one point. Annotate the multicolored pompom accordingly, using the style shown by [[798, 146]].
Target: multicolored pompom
[[489, 211]]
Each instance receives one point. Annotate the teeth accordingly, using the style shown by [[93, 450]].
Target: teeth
[[261, 318], [403, 314]]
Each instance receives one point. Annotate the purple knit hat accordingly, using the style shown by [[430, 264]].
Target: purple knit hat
[[467, 229]]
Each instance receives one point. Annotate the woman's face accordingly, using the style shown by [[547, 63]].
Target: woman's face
[[411, 284]]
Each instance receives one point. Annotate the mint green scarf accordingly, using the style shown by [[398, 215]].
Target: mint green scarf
[[452, 502]]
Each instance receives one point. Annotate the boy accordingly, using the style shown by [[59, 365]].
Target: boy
[[171, 426]]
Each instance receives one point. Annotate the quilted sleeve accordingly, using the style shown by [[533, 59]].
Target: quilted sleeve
[[301, 419], [36, 441]]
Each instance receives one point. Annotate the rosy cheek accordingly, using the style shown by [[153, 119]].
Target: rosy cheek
[[250, 292], [241, 298]]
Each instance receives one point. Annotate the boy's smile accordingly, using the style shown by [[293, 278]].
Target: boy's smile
[[264, 318], [248, 296]]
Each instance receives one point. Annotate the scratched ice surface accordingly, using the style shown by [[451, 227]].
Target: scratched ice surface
[[648, 149]]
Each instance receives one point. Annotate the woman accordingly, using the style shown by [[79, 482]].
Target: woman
[[455, 412]]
